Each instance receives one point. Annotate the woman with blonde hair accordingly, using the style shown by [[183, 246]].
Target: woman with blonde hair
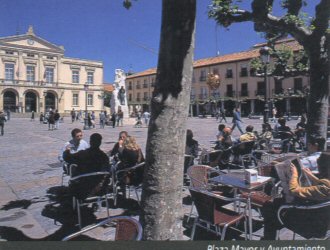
[[130, 156]]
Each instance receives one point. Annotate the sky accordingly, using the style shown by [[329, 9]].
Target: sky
[[104, 30]]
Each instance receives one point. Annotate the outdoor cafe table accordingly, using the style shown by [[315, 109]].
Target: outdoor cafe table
[[236, 181]]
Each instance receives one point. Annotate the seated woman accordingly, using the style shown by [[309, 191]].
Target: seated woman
[[191, 150], [130, 156], [318, 191], [226, 141]]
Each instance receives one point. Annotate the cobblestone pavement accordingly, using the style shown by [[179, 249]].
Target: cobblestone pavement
[[29, 167]]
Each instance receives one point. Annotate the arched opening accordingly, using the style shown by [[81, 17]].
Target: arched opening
[[50, 101], [9, 101], [30, 102]]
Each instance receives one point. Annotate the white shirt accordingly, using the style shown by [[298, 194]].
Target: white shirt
[[82, 146], [311, 161]]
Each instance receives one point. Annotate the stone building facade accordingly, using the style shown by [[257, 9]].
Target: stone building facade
[[238, 86], [36, 76]]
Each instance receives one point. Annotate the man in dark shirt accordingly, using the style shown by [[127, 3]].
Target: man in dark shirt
[[90, 160]]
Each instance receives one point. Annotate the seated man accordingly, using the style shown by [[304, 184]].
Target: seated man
[[318, 191], [76, 144], [89, 160], [315, 147], [248, 135]]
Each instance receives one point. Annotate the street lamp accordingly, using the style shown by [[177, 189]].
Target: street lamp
[[86, 116], [45, 95], [265, 57]]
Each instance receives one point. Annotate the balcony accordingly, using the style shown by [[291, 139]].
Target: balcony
[[260, 92], [25, 83], [244, 93], [230, 93]]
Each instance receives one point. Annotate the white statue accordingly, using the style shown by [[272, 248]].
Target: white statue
[[119, 100]]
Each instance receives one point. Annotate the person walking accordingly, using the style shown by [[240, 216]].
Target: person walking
[[222, 115], [57, 119], [113, 119], [41, 117], [102, 119], [51, 120], [146, 116], [32, 116], [2, 122], [120, 117], [8, 114], [237, 121], [73, 115]]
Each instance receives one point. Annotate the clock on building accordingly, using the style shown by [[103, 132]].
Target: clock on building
[[30, 41]]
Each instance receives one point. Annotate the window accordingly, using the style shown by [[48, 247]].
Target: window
[[203, 93], [130, 97], [215, 71], [30, 73], [229, 73], [138, 98], [153, 82], [145, 84], [202, 77], [244, 89], [230, 92], [30, 55], [50, 57], [138, 86], [9, 52], [244, 71], [49, 75], [90, 99], [130, 85], [145, 96], [75, 99], [193, 78], [9, 71], [90, 77], [75, 76]]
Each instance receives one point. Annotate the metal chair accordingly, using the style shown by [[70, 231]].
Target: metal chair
[[309, 220], [89, 188], [212, 215], [127, 228], [243, 154], [123, 177], [199, 176]]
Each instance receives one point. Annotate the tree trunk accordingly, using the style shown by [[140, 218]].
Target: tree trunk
[[318, 103], [162, 184]]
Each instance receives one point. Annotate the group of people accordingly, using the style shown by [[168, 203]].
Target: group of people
[[312, 160], [52, 118], [89, 158]]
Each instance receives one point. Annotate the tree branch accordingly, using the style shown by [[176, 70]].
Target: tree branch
[[322, 15]]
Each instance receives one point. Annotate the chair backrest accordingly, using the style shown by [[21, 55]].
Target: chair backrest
[[204, 204], [309, 221], [243, 148], [199, 176], [127, 228], [91, 184], [132, 175]]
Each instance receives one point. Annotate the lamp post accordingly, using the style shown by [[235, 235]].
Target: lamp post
[[265, 56], [86, 116], [45, 95]]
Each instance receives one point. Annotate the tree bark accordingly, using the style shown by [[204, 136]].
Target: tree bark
[[162, 185]]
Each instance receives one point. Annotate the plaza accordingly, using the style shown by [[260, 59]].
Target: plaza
[[30, 168]]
